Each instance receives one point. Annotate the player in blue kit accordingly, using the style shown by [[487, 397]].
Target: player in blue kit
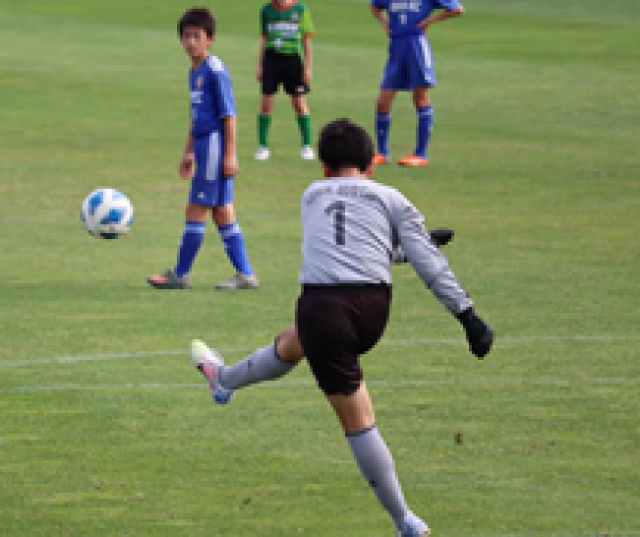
[[211, 149], [410, 67]]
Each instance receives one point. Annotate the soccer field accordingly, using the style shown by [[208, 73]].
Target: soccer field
[[105, 427]]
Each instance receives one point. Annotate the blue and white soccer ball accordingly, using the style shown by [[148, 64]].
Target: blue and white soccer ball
[[107, 213]]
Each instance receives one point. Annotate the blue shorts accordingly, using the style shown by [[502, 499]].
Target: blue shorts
[[410, 64], [209, 186]]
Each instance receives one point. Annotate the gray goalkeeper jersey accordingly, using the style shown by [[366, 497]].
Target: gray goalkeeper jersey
[[350, 226]]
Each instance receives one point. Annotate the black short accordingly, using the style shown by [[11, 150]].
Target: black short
[[336, 324], [285, 69]]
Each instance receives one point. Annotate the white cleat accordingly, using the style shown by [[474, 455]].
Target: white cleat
[[413, 527], [239, 281], [263, 153], [307, 153], [208, 361]]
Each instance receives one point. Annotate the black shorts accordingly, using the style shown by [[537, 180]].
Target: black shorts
[[285, 69], [336, 324]]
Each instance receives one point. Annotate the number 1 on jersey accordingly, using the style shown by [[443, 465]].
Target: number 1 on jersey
[[338, 209]]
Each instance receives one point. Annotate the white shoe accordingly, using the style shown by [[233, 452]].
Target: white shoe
[[263, 153], [307, 153], [208, 362], [413, 526], [239, 281]]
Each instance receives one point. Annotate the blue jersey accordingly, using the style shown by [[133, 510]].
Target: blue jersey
[[404, 15], [212, 97]]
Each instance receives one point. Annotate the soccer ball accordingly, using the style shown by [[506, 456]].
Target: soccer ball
[[107, 213]]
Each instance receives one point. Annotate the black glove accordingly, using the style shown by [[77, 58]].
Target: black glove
[[479, 333], [442, 236]]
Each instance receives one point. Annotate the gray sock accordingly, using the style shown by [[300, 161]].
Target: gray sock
[[263, 364], [375, 462]]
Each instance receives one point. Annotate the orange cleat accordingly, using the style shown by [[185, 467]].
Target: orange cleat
[[414, 161], [169, 280], [379, 159]]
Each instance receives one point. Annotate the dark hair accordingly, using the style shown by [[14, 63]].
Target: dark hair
[[344, 143], [200, 17]]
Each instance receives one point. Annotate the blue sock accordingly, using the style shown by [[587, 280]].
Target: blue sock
[[233, 240], [383, 127], [425, 126], [190, 245]]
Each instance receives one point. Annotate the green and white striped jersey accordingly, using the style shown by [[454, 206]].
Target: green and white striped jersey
[[285, 28]]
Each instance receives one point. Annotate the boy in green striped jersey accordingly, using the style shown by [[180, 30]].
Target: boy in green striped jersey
[[287, 30]]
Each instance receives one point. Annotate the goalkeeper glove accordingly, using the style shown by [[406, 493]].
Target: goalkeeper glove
[[442, 236], [479, 334]]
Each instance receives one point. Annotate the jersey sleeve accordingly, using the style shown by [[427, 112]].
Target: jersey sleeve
[[306, 24], [426, 259], [223, 92], [380, 4]]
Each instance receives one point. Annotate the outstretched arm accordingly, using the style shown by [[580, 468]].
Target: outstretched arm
[[433, 269]]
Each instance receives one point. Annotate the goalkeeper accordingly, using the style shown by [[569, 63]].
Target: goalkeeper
[[349, 223]]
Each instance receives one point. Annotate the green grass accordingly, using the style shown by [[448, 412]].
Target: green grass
[[105, 429]]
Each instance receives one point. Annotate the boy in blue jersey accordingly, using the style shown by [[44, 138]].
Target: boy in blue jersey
[[409, 68], [211, 149]]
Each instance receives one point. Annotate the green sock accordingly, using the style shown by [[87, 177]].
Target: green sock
[[304, 122], [264, 124]]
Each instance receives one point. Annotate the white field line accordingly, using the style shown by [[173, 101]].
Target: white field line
[[604, 338], [490, 383]]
